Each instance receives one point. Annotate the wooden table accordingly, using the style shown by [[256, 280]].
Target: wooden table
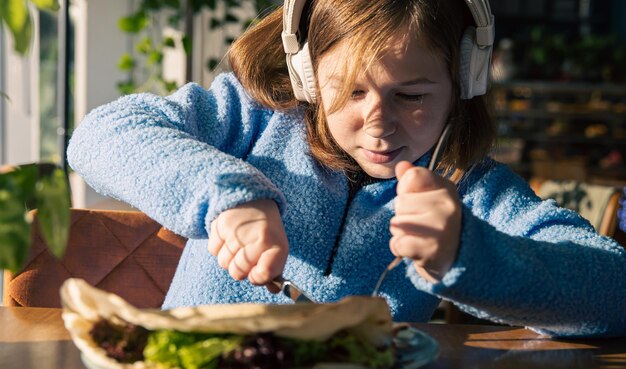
[[35, 338]]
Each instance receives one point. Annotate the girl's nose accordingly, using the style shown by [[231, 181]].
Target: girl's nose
[[379, 120]]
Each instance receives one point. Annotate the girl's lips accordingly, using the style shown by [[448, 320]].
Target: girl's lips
[[381, 157]]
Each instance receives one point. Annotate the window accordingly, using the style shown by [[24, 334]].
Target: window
[[33, 115]]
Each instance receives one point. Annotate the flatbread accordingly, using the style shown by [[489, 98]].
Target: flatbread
[[84, 305]]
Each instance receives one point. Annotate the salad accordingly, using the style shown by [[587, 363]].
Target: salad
[[112, 334]]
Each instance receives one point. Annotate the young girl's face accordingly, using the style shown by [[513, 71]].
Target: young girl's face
[[397, 109]]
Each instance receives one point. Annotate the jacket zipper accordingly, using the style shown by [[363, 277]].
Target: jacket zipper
[[353, 189]]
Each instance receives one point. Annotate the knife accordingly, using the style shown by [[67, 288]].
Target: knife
[[291, 290]]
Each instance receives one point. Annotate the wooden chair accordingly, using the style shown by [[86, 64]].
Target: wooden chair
[[598, 204], [119, 251]]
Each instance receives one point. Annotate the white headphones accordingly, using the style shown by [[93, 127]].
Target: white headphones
[[475, 50]]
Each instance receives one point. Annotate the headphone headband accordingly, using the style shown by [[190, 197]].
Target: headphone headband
[[292, 12], [481, 12], [474, 75]]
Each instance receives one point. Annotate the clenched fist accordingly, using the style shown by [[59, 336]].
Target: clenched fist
[[250, 242], [427, 222]]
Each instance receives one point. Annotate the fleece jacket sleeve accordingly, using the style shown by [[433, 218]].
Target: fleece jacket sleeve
[[180, 159], [523, 261]]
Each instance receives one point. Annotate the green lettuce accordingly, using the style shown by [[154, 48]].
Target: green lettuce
[[361, 352], [172, 349]]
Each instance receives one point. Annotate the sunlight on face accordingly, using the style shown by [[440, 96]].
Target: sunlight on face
[[397, 109]]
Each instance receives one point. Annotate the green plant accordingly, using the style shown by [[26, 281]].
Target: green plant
[[545, 54], [542, 53], [596, 57], [144, 65], [41, 186], [15, 14], [22, 190]]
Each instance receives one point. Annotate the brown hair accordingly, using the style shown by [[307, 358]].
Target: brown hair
[[258, 60]]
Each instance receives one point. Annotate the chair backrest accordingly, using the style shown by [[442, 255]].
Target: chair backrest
[[597, 203], [119, 251]]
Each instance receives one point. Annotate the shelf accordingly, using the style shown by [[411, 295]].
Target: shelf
[[567, 87], [571, 139], [547, 120], [537, 113]]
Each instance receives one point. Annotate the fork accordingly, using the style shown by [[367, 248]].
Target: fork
[[289, 289], [431, 166]]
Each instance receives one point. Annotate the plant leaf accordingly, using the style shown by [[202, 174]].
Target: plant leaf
[[133, 23], [144, 46], [196, 5], [15, 13], [17, 18], [174, 19], [186, 44], [15, 232], [230, 18], [126, 63], [212, 64], [16, 187], [215, 23], [52, 5], [155, 57], [126, 87], [170, 85], [151, 5], [169, 42], [174, 4], [53, 208]]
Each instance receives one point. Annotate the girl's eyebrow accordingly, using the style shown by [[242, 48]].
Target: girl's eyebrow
[[414, 81], [417, 81]]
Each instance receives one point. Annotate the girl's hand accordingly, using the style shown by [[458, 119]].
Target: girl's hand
[[427, 223], [250, 241]]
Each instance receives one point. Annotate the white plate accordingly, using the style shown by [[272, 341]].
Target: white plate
[[414, 348]]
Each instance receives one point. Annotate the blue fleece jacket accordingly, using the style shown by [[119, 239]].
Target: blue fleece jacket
[[186, 158]]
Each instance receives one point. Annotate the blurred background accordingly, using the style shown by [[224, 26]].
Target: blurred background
[[558, 88]]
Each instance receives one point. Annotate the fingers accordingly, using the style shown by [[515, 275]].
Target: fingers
[[401, 168], [232, 245], [270, 265], [423, 203], [243, 261], [215, 240], [415, 179], [414, 225], [231, 254], [427, 221], [254, 261], [250, 241], [424, 257], [413, 239]]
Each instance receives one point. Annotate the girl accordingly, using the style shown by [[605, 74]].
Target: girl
[[316, 170]]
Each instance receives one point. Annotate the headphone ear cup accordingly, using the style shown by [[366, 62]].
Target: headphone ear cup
[[304, 82], [474, 66], [465, 67]]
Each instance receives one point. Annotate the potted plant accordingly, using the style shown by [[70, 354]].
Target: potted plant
[[144, 66], [24, 188]]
